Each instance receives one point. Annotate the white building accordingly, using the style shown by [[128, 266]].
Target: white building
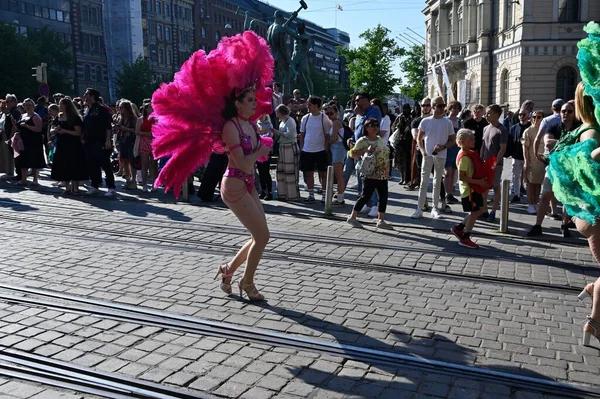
[[506, 51]]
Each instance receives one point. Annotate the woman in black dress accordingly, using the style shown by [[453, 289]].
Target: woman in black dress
[[29, 127], [69, 158]]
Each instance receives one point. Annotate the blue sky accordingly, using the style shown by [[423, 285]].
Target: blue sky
[[358, 16]]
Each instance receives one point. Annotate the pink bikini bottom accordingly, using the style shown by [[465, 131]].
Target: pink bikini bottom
[[243, 176]]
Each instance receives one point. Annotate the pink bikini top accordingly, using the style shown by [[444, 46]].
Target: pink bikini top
[[245, 140]]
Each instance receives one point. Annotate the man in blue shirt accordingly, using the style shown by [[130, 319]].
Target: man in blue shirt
[[365, 111]]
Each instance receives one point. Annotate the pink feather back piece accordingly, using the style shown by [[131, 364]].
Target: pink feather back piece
[[188, 110]]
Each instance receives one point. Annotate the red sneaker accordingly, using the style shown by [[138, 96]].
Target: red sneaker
[[466, 242], [458, 233]]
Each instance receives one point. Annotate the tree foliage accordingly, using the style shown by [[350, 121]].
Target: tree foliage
[[326, 87], [21, 53], [370, 65], [136, 81], [413, 66]]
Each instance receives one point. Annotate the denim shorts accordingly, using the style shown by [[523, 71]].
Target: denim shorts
[[338, 152], [451, 155]]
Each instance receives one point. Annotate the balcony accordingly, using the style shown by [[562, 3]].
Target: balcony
[[453, 54]]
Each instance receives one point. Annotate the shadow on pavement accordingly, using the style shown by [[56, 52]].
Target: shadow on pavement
[[15, 205], [362, 382]]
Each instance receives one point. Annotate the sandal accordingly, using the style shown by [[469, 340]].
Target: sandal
[[590, 329], [587, 292], [251, 291], [226, 277]]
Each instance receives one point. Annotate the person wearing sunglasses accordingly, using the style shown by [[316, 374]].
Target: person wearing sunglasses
[[436, 135], [373, 162], [515, 149], [533, 168], [424, 111], [568, 123], [337, 149]]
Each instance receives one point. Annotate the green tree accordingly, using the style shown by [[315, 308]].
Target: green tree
[[327, 87], [370, 65], [413, 66], [21, 53], [136, 81]]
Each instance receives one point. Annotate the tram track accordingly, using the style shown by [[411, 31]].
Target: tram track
[[46, 371], [35, 297], [274, 254]]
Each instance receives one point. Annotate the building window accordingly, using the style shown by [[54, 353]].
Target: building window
[[203, 32], [87, 73], [566, 81], [568, 10], [158, 7], [159, 31], [505, 82], [94, 15], [161, 56], [98, 74], [167, 10], [169, 57], [168, 33], [509, 14], [217, 36]]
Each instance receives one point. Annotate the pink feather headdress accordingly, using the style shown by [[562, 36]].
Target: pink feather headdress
[[188, 110]]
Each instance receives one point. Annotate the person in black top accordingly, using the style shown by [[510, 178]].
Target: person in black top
[[69, 159], [13, 116], [476, 124], [97, 126], [29, 128], [402, 144], [416, 158]]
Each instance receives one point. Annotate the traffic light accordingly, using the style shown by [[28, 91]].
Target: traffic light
[[40, 72]]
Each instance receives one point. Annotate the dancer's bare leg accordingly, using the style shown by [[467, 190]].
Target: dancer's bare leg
[[250, 213], [592, 233]]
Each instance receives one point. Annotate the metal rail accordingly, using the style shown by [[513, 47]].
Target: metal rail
[[43, 370], [145, 316], [220, 249]]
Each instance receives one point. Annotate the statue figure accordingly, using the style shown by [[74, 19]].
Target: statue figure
[[299, 65], [249, 23], [276, 37]]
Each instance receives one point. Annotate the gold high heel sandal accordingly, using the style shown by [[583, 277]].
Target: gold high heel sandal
[[225, 278], [251, 291], [590, 329], [587, 292]]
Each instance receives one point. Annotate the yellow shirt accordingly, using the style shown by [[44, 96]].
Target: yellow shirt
[[465, 165]]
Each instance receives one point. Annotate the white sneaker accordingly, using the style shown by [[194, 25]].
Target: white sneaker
[[92, 191], [146, 189], [531, 209], [111, 192], [436, 214], [365, 209], [373, 212], [417, 215]]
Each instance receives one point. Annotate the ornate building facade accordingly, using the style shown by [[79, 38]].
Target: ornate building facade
[[505, 51]]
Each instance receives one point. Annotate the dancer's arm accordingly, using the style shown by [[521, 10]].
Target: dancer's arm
[[231, 138], [592, 134]]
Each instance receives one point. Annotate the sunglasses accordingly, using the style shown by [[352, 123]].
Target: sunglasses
[[538, 117], [330, 113], [372, 125], [440, 105], [426, 105], [566, 111], [523, 114]]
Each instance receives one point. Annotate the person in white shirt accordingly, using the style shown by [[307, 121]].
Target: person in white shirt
[[436, 135], [314, 129]]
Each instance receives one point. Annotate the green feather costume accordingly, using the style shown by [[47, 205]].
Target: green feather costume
[[575, 176]]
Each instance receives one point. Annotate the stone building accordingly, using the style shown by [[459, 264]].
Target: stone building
[[168, 34], [505, 51]]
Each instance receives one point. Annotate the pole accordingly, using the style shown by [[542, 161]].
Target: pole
[[329, 191], [186, 191], [504, 206]]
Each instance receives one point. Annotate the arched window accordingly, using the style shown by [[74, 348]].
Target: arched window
[[505, 86], [203, 32], [217, 36], [87, 72], [99, 74], [566, 81]]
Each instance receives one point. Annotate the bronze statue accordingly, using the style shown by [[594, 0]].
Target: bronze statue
[[276, 37], [299, 65]]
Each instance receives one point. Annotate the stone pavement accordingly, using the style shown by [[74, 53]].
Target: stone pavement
[[142, 250]]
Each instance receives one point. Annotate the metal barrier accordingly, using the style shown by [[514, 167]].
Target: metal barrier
[[504, 205], [329, 191]]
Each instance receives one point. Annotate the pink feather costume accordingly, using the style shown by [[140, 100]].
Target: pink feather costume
[[188, 110]]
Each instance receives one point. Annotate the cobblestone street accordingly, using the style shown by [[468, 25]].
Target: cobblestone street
[[394, 314]]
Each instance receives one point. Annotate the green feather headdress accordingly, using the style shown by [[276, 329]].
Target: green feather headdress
[[588, 61]]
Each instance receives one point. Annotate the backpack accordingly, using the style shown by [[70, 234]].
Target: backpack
[[348, 134], [481, 169]]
